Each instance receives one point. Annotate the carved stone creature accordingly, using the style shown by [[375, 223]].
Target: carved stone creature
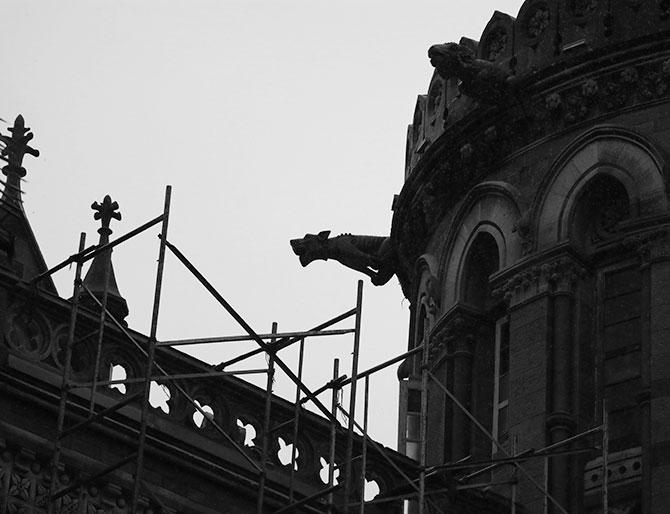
[[372, 255], [480, 79]]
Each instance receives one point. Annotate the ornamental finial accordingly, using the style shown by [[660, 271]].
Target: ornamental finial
[[16, 146], [105, 212]]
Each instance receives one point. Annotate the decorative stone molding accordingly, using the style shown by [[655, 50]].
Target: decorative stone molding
[[455, 332], [466, 152], [649, 246], [623, 467], [559, 275]]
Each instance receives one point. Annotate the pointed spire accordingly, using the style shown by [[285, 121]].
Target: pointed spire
[[15, 148], [101, 269]]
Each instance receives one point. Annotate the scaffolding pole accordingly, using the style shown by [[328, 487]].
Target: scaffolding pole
[[352, 398], [266, 427], [67, 365], [364, 452], [240, 320], [333, 433], [495, 441], [423, 428], [605, 443], [296, 421], [279, 341], [151, 351]]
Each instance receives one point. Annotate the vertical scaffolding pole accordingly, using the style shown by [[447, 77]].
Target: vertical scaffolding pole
[[364, 453], [67, 366], [514, 476], [266, 426], [333, 434], [606, 444], [423, 425], [545, 484], [296, 421], [352, 399], [151, 350], [101, 333]]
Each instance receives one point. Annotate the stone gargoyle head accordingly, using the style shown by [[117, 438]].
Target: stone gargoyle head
[[450, 59], [312, 247]]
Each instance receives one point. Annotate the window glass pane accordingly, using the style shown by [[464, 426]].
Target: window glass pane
[[412, 450], [414, 400], [413, 422]]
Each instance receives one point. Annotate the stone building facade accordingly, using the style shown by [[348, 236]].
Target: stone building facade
[[532, 238]]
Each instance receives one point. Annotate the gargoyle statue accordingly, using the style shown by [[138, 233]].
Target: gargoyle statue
[[371, 255], [481, 80]]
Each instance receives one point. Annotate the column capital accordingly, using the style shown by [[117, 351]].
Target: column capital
[[558, 274], [456, 331]]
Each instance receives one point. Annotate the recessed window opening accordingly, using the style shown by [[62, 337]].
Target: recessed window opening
[[482, 260]]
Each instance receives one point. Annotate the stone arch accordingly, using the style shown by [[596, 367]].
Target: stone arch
[[611, 151], [491, 207]]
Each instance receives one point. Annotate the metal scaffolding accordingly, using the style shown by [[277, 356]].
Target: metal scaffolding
[[270, 344]]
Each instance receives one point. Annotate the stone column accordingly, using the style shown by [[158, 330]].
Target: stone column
[[560, 419], [460, 438]]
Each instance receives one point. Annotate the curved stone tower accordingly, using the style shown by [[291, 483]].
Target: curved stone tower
[[532, 238]]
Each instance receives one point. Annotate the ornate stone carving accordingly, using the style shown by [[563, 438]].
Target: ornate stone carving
[[419, 213], [27, 332], [466, 152], [538, 21], [664, 7], [480, 79], [16, 147], [371, 255], [496, 43], [558, 275], [581, 8], [432, 295]]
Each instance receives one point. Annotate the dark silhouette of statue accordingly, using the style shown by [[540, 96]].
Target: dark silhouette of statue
[[371, 255], [481, 80]]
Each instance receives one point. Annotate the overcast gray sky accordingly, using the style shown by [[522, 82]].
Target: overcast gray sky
[[270, 119]]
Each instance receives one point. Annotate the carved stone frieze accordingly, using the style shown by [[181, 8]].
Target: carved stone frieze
[[560, 274], [496, 43], [463, 156], [538, 21]]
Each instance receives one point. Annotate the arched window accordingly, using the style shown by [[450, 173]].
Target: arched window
[[482, 260], [601, 207], [487, 368], [603, 204]]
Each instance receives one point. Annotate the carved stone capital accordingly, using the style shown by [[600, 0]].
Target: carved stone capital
[[455, 333], [558, 275]]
